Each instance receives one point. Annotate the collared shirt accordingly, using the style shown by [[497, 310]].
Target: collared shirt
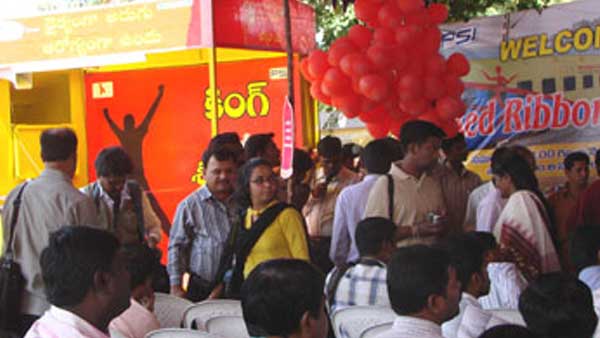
[[349, 210], [361, 284], [450, 328], [489, 210], [135, 322], [412, 327], [319, 212], [413, 200], [456, 188], [475, 199], [506, 285], [284, 238], [57, 322], [198, 236], [49, 202], [591, 277], [126, 228]]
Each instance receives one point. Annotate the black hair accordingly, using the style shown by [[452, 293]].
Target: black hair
[[584, 245], [467, 255], [447, 143], [351, 150], [557, 305], [242, 192], [371, 233], [573, 157], [230, 141], [276, 295], [376, 157], [597, 159], [418, 132], [73, 255], [302, 161], [395, 147], [220, 154], [113, 161], [414, 273], [486, 239], [58, 144], [141, 262], [508, 331], [257, 144], [330, 147]]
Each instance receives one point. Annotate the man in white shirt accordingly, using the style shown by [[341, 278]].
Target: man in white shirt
[[86, 281], [468, 255], [350, 204], [424, 291]]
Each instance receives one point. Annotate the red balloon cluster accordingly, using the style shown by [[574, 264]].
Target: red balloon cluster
[[389, 71]]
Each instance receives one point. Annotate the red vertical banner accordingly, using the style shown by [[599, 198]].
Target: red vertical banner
[[287, 143]]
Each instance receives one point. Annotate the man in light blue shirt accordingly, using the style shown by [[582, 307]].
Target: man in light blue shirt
[[350, 205]]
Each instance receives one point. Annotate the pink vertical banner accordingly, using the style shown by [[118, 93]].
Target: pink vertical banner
[[287, 144]]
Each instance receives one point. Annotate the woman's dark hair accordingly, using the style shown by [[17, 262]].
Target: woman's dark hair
[[242, 193], [508, 331]]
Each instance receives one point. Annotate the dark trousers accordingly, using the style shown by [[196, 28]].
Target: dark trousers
[[198, 289], [25, 322], [319, 252]]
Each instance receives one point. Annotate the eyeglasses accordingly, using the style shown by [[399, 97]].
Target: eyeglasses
[[262, 180]]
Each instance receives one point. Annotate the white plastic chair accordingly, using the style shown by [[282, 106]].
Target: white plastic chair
[[352, 322], [374, 331], [511, 316], [180, 333], [228, 326], [169, 309], [200, 313]]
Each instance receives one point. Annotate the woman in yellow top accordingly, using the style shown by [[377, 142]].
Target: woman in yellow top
[[285, 236]]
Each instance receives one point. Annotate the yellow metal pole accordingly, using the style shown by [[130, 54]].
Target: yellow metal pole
[[212, 75]]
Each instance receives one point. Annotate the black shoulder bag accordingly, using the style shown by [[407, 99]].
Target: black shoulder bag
[[12, 281], [246, 239]]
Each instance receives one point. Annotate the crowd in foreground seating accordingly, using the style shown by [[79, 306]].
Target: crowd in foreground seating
[[402, 225]]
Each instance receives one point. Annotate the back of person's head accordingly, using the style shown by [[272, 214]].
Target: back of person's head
[[418, 132], [557, 305], [280, 295], [597, 159], [302, 161], [256, 145], [376, 157], [447, 143], [372, 233], [396, 153], [58, 144], [584, 247], [513, 164], [219, 153], [576, 156], [468, 256], [113, 161], [330, 147], [497, 154], [141, 262], [414, 274], [70, 262], [351, 151], [508, 331], [486, 239], [526, 154]]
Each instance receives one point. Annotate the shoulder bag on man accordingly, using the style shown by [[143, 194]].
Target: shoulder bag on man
[[11, 278]]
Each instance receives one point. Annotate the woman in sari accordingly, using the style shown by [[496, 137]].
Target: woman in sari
[[524, 226]]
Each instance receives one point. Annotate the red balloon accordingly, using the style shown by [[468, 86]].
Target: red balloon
[[407, 35], [410, 6], [451, 129], [458, 64], [340, 48], [431, 40], [317, 64], [400, 59], [367, 105], [335, 83], [434, 87], [454, 86], [366, 11], [347, 62], [360, 36], [410, 86], [390, 16], [438, 13], [373, 115], [350, 104], [374, 87], [416, 107], [436, 65], [378, 129], [448, 108], [384, 37], [431, 117], [418, 18], [317, 94], [380, 56], [304, 70]]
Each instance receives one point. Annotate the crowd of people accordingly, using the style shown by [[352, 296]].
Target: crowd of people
[[400, 223]]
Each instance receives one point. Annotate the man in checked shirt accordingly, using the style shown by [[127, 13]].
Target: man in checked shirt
[[201, 227]]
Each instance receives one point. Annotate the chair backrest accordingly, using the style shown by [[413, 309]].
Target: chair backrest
[[169, 309], [181, 333], [228, 326], [352, 321], [200, 313], [511, 316], [374, 331], [113, 334]]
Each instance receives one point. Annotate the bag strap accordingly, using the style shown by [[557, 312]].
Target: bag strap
[[136, 195], [247, 242], [13, 221], [390, 196]]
